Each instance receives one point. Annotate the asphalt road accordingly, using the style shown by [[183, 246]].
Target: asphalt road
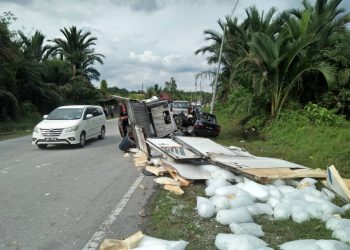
[[58, 197]]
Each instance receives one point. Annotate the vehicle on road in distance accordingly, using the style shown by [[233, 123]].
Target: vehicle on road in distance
[[180, 111], [73, 124], [179, 107]]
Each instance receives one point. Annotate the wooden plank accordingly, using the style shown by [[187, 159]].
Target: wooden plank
[[129, 243], [337, 184], [140, 163], [166, 181], [347, 182], [174, 189], [141, 155], [175, 175], [156, 170], [266, 174], [134, 240]]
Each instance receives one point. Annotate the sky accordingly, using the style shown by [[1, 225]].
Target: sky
[[144, 41]]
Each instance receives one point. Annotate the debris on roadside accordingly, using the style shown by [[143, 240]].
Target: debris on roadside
[[240, 185], [156, 170], [338, 184], [139, 241]]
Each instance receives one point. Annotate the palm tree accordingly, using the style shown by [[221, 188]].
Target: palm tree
[[278, 64], [326, 19], [8, 57], [77, 49], [33, 47]]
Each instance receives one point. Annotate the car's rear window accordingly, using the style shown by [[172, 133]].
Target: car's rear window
[[66, 114]]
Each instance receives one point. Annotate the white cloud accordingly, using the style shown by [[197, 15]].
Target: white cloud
[[146, 57]]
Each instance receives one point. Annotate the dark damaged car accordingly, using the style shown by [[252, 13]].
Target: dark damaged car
[[205, 125]]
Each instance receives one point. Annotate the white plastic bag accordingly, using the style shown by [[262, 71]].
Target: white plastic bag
[[154, 247], [300, 214], [237, 215], [247, 228], [220, 202], [243, 241], [224, 174], [205, 207], [149, 241], [258, 191], [278, 183], [300, 245], [282, 211], [286, 189], [315, 210], [260, 209], [228, 190], [240, 201], [307, 182], [346, 207], [332, 245], [213, 184]]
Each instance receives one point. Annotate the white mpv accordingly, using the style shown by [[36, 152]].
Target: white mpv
[[70, 125]]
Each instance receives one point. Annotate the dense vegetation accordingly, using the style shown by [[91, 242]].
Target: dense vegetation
[[39, 77], [273, 62]]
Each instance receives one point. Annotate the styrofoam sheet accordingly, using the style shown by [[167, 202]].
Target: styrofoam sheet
[[253, 162], [206, 146], [172, 148]]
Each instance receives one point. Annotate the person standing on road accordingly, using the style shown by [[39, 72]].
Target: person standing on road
[[123, 119]]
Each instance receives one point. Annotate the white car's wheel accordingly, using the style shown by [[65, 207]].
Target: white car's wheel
[[103, 132], [82, 139]]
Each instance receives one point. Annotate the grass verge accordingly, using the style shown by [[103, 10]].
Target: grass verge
[[22, 126]]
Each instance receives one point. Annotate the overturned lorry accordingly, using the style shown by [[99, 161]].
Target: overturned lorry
[[156, 119]]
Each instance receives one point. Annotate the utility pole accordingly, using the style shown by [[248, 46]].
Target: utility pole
[[219, 64]]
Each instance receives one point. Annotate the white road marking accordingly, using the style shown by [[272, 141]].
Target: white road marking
[[95, 240]]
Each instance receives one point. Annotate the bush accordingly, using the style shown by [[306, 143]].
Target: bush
[[321, 115]]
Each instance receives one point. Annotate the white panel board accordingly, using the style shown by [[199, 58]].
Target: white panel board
[[172, 148], [206, 146], [253, 162], [337, 184]]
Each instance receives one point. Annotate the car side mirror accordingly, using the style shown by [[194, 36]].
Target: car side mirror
[[88, 116], [45, 116]]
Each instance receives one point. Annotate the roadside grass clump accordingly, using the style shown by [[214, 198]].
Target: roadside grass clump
[[279, 232]]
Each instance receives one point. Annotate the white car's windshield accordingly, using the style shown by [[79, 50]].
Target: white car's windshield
[[66, 114], [180, 105]]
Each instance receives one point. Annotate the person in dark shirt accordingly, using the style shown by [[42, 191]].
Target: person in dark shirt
[[123, 119]]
